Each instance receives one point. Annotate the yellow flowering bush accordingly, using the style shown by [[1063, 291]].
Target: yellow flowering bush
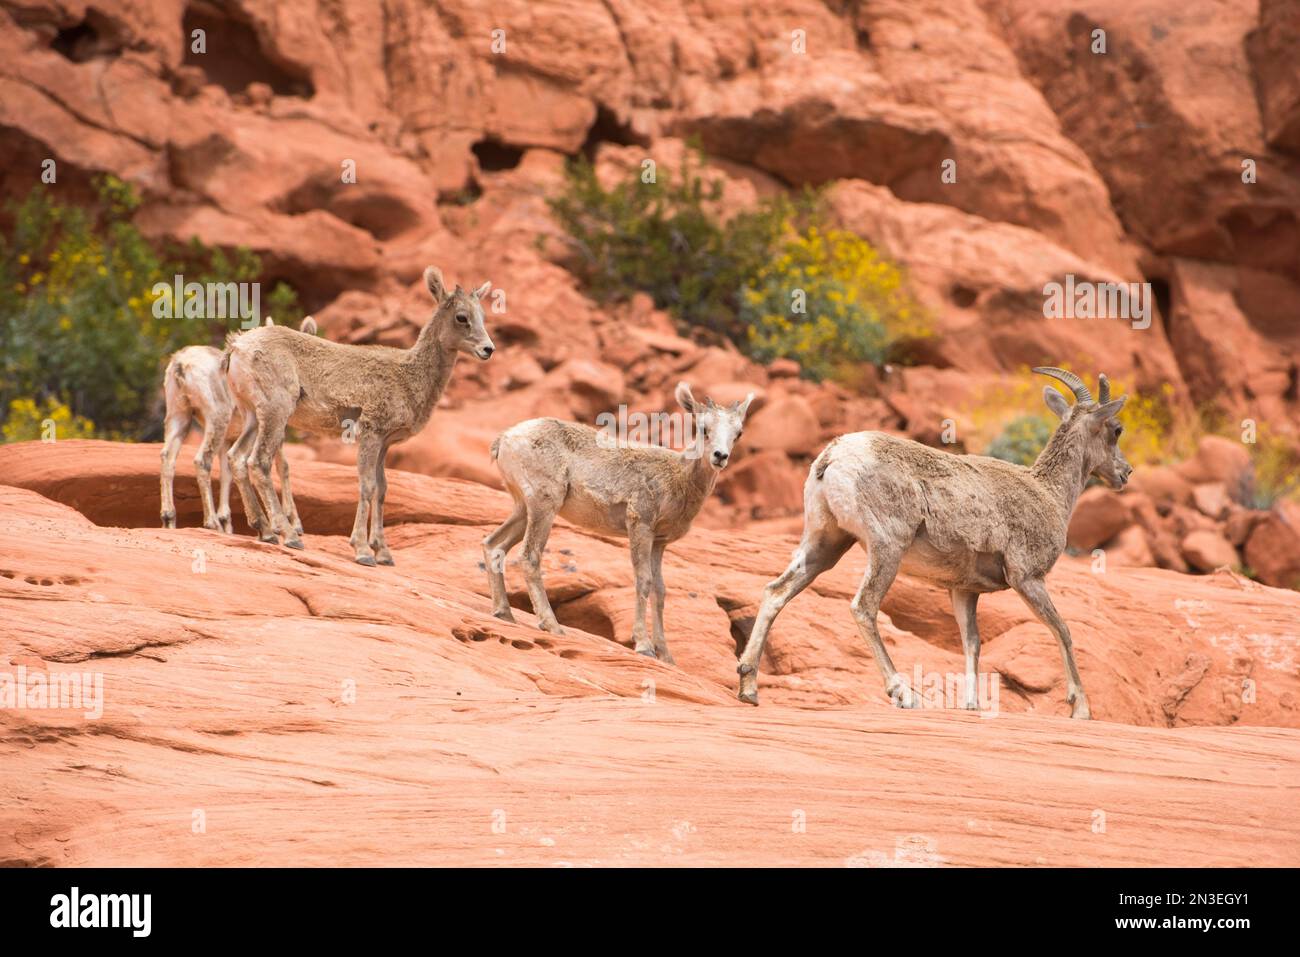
[[829, 301], [29, 420], [772, 279]]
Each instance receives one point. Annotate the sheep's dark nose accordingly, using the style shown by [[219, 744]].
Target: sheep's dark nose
[[720, 458]]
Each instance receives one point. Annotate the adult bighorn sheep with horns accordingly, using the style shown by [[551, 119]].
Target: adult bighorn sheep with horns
[[967, 522]]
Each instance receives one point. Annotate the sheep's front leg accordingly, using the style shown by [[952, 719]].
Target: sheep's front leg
[[820, 549], [963, 609], [1033, 591], [641, 540], [368, 452], [495, 549], [377, 542], [657, 572]]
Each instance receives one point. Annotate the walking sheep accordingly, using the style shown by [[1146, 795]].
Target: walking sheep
[[969, 523], [378, 394], [194, 387], [647, 494]]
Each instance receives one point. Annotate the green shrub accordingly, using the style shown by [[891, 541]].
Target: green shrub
[[660, 238], [1022, 439], [77, 323]]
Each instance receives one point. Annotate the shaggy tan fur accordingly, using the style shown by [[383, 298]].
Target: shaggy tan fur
[[375, 395], [969, 523], [194, 387], [648, 494]]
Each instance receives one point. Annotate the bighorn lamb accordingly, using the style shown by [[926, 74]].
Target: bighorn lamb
[[647, 494], [375, 394], [969, 523], [194, 387]]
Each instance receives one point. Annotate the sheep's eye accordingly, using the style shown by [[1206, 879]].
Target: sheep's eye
[[462, 318], [704, 429], [739, 433], [1118, 430]]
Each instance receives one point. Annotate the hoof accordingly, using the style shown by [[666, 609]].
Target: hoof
[[505, 615], [749, 697], [269, 539], [367, 560], [648, 652], [553, 629], [169, 520], [294, 542], [384, 557], [1081, 714], [667, 659]]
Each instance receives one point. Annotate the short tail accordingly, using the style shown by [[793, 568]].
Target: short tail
[[495, 450]]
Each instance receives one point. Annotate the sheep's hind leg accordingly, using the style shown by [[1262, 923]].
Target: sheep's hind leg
[[541, 515], [495, 549], [286, 493], [820, 549], [215, 425], [239, 459], [882, 566], [174, 430], [1033, 591], [270, 436], [963, 609], [223, 504]]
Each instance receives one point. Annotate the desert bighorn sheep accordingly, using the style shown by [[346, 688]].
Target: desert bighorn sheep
[[647, 494], [194, 387], [378, 394], [969, 523]]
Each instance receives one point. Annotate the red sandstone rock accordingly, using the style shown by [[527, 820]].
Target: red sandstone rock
[[1207, 550], [1099, 515], [302, 667], [1273, 548]]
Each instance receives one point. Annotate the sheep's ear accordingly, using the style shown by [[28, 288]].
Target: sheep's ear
[[308, 326], [433, 280], [483, 290], [743, 406], [685, 399], [1055, 401], [1111, 408]]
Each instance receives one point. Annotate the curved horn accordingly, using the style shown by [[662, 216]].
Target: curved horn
[[1103, 389], [1081, 393]]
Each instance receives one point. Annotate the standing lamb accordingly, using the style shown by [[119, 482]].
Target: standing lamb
[[647, 494], [378, 394], [194, 387], [969, 523]]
